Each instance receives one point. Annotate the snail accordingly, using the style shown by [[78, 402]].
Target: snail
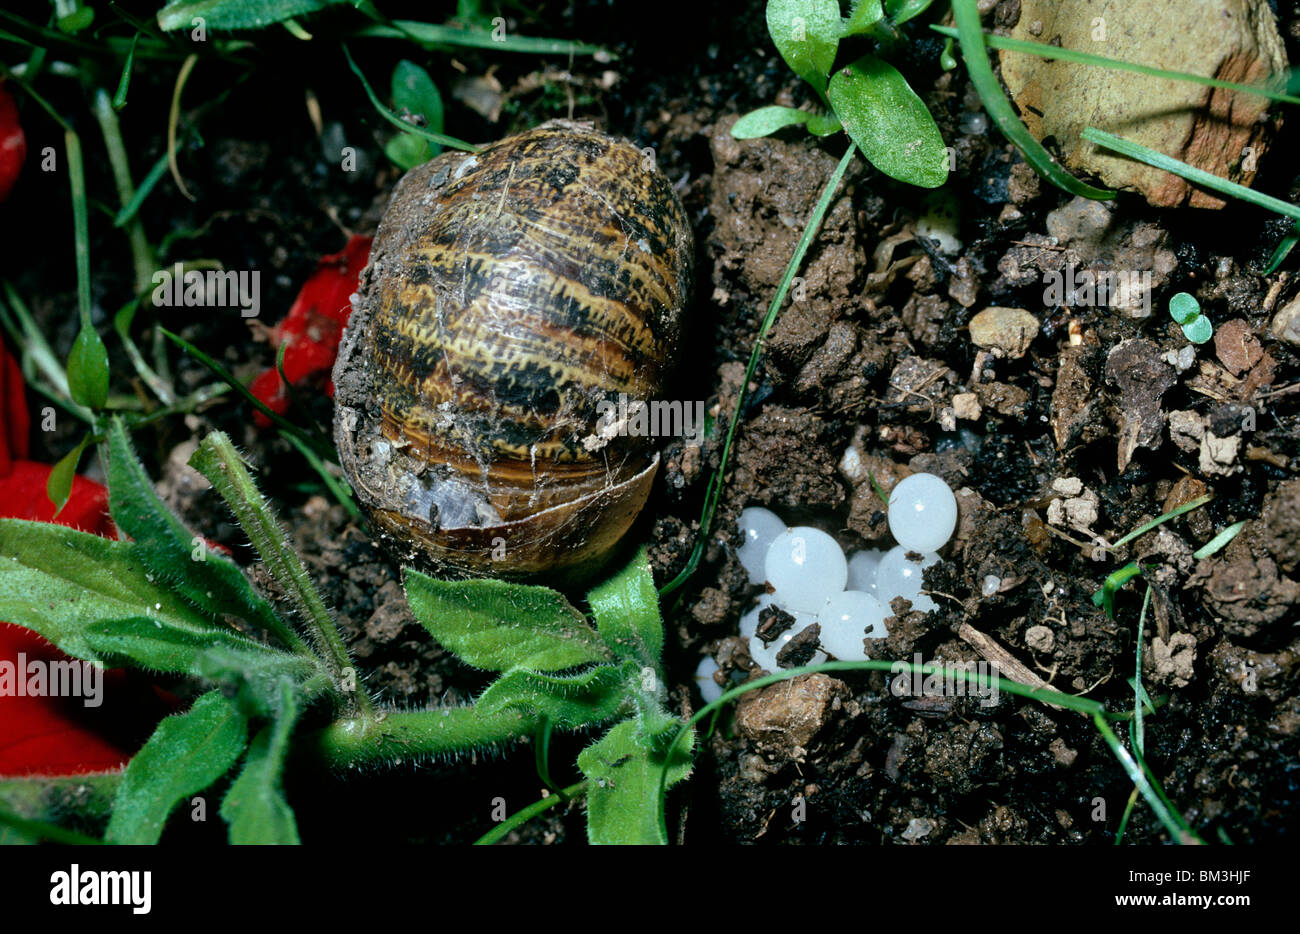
[[511, 296]]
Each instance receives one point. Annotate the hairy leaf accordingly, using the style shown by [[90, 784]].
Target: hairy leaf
[[591, 697], [175, 557], [626, 608], [186, 754], [889, 122], [93, 597], [900, 11], [498, 626], [623, 787], [255, 807]]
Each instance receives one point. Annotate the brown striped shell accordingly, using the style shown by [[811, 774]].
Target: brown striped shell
[[509, 292]]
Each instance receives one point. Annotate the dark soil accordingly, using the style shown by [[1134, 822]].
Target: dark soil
[[868, 358]]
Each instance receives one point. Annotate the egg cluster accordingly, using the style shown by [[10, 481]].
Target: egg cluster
[[813, 581]]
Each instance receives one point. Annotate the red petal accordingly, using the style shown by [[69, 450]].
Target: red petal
[[22, 496], [13, 144], [314, 324], [62, 735], [13, 412]]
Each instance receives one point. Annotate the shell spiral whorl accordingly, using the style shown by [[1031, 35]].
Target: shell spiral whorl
[[510, 292]]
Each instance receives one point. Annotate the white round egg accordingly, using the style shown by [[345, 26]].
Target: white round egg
[[899, 576], [847, 619], [862, 570], [805, 567], [922, 512], [709, 689], [759, 527]]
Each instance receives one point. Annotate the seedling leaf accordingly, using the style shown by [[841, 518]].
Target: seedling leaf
[[889, 122], [806, 33]]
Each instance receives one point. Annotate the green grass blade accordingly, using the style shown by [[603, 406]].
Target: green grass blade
[[971, 38], [1192, 174], [714, 490], [1043, 50], [431, 34], [440, 138]]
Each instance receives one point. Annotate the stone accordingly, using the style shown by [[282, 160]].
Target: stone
[[1286, 323], [1223, 132], [1007, 332], [785, 717]]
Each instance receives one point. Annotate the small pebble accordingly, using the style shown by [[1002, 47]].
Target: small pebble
[[992, 584], [1040, 638], [1005, 331]]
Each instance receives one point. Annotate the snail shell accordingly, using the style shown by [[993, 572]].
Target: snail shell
[[509, 293]]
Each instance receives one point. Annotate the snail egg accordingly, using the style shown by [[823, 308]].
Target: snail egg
[[709, 689], [922, 513], [805, 566], [862, 570], [900, 576], [847, 618], [759, 528]]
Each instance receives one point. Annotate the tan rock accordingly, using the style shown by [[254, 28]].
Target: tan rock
[[1213, 129], [784, 717], [1007, 332], [1286, 324]]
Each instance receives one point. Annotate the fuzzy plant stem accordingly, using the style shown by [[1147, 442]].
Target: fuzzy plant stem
[[397, 736], [218, 460]]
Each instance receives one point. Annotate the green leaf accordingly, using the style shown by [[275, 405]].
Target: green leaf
[[863, 17], [59, 485], [76, 21], [889, 122], [1184, 308], [900, 11], [82, 802], [186, 754], [415, 93], [93, 597], [255, 807], [824, 124], [626, 608], [497, 626], [406, 151], [568, 701], [1198, 330], [623, 787], [806, 33], [254, 679], [235, 14], [177, 558], [767, 120], [88, 370]]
